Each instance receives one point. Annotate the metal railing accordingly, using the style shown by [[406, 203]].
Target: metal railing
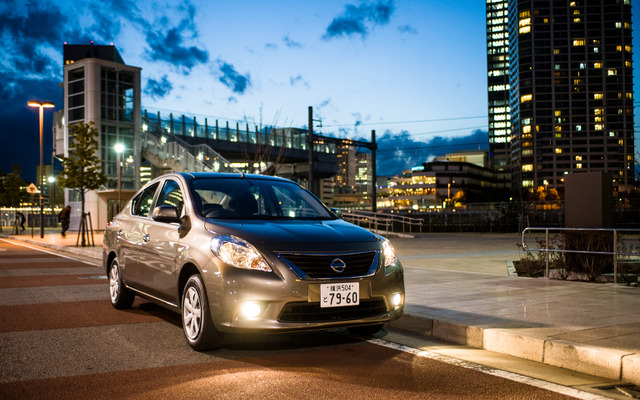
[[383, 222], [547, 249], [190, 157]]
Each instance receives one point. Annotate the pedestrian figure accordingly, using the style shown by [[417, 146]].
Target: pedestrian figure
[[64, 217], [22, 219]]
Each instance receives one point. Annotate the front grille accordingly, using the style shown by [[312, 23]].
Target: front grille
[[318, 266], [312, 312]]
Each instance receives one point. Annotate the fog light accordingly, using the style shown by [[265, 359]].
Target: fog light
[[396, 299], [250, 310]]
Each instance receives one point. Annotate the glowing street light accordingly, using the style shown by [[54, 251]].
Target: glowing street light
[[52, 193], [41, 105], [119, 148]]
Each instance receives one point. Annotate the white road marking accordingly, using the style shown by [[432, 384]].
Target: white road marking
[[49, 252], [553, 387]]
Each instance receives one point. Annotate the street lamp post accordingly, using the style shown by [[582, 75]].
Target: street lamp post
[[41, 105], [119, 147], [52, 194]]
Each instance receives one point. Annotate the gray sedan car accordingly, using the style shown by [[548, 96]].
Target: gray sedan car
[[249, 253]]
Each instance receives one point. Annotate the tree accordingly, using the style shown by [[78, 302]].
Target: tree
[[82, 170], [10, 194]]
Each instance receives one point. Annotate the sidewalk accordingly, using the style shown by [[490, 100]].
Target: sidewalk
[[458, 289]]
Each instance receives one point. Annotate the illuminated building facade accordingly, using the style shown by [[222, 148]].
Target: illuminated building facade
[[571, 91], [498, 83]]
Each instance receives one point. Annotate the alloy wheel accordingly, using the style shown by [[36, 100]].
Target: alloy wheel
[[192, 313]]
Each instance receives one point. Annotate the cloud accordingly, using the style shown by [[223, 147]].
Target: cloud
[[359, 20], [169, 45], [235, 81], [408, 29], [292, 44], [400, 151], [296, 80], [158, 89]]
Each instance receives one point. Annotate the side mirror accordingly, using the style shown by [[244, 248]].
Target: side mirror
[[165, 213], [337, 212]]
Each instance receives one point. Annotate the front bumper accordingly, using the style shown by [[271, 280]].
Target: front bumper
[[282, 302]]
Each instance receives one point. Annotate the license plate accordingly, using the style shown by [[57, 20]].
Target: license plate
[[339, 294]]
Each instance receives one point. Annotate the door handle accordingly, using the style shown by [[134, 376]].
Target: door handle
[[146, 238]]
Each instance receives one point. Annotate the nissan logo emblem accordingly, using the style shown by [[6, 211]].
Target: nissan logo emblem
[[338, 265]]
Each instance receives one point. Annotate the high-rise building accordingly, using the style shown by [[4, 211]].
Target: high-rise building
[[100, 88], [570, 89], [498, 83]]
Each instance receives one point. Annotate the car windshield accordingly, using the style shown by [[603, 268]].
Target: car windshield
[[261, 199]]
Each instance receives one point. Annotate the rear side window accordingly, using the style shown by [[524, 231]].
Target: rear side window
[[142, 202], [171, 195]]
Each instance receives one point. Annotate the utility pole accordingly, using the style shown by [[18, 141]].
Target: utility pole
[[310, 145], [374, 205]]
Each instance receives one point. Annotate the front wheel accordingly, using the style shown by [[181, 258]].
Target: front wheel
[[121, 297], [196, 318]]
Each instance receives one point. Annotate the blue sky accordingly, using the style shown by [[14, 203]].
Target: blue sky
[[415, 71]]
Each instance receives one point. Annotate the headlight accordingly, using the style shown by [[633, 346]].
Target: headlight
[[238, 253], [387, 251]]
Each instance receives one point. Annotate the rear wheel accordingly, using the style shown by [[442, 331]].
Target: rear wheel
[[196, 317], [367, 330], [121, 297]]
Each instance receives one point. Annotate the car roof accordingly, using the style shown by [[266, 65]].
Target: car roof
[[203, 175]]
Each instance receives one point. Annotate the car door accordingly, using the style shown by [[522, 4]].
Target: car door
[[130, 234], [161, 245]]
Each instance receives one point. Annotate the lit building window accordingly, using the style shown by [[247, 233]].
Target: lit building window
[[578, 42], [578, 158], [599, 127], [527, 183], [578, 166], [527, 167], [526, 97], [598, 96], [597, 65], [524, 29], [558, 151], [526, 129]]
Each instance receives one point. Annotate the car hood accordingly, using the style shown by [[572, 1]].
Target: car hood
[[273, 232]]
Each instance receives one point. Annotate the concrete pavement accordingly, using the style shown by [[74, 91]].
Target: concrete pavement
[[458, 289]]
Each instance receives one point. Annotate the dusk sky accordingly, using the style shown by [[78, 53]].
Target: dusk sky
[[415, 71]]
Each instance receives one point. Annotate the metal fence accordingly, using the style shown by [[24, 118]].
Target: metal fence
[[383, 222], [615, 251]]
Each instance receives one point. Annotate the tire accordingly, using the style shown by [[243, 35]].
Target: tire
[[121, 297], [197, 324], [367, 330]]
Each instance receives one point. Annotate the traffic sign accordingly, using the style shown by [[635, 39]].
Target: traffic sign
[[32, 189]]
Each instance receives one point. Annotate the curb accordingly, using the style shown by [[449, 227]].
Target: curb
[[607, 363], [80, 251]]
